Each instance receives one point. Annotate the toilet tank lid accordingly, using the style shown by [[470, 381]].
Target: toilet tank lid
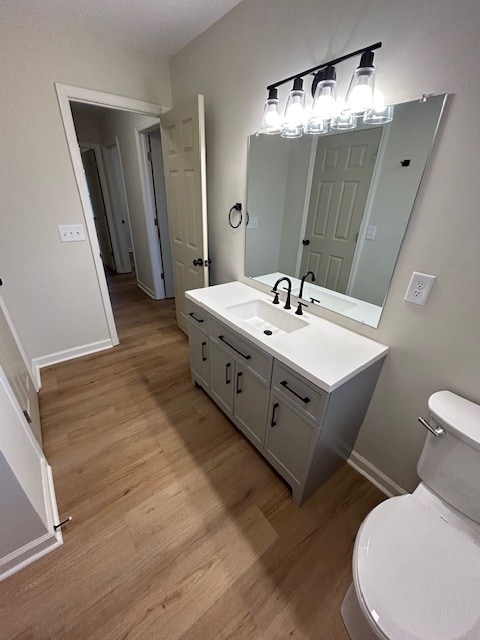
[[457, 415]]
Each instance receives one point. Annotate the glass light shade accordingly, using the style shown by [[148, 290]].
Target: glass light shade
[[295, 114], [271, 121], [360, 93], [344, 121], [380, 114], [317, 127], [324, 103]]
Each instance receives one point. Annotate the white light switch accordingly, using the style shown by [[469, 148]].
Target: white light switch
[[371, 233], [419, 288], [71, 232]]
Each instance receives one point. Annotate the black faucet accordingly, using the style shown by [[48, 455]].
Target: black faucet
[[309, 273], [289, 292]]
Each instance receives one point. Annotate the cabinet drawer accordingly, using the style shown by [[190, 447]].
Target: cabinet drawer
[[198, 317], [298, 391], [252, 358]]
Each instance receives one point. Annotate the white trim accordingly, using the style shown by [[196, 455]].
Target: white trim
[[68, 354], [365, 468], [27, 554], [65, 93], [146, 290], [149, 207]]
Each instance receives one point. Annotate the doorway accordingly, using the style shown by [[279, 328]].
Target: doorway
[[127, 197]]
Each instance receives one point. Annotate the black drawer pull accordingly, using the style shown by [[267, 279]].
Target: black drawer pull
[[273, 423], [194, 317], [239, 375], [227, 373], [204, 357], [232, 347], [284, 383]]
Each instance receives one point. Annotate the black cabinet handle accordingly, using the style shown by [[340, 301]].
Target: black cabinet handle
[[195, 317], [273, 423], [284, 383], [239, 375], [204, 357], [227, 373], [232, 347]]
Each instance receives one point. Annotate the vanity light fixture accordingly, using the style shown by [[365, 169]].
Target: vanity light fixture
[[362, 103]]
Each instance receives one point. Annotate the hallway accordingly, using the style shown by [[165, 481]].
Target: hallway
[[180, 529]]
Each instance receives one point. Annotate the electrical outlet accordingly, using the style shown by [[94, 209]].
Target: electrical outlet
[[419, 288], [71, 232]]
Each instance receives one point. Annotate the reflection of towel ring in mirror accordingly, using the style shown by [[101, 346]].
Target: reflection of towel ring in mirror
[[236, 207]]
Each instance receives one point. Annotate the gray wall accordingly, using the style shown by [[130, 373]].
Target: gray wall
[[429, 46]]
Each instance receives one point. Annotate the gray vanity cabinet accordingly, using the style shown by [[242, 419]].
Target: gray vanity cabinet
[[305, 433]]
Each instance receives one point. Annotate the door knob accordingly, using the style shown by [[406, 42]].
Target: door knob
[[306, 241]]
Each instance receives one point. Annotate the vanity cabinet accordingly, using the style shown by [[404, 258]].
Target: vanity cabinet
[[305, 432]]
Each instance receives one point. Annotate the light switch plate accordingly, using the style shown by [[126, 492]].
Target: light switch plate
[[419, 288], [71, 232]]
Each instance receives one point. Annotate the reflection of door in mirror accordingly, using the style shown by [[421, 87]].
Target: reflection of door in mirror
[[341, 181]]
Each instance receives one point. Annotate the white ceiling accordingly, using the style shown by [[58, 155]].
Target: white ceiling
[[161, 27]]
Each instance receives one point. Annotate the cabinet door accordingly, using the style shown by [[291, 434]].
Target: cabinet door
[[221, 378], [250, 406], [199, 355], [289, 440]]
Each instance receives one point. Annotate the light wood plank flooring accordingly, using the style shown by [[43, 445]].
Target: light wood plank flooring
[[181, 530]]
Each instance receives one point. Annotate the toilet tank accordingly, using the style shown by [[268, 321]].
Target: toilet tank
[[450, 464]]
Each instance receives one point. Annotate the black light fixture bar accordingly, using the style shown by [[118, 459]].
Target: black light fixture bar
[[331, 63]]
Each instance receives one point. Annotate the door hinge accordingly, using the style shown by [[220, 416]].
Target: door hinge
[[149, 156], [27, 416]]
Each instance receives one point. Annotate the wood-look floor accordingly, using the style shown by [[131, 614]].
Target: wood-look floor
[[180, 529]]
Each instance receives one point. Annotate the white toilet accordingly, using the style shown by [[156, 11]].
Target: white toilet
[[416, 562]]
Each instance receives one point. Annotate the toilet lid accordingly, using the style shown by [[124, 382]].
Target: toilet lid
[[416, 575]]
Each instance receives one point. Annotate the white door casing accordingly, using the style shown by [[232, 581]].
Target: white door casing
[[341, 181], [183, 144]]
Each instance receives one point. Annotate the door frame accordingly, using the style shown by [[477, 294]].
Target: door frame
[[66, 93]]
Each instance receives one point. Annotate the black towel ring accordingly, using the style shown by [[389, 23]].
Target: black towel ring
[[236, 207]]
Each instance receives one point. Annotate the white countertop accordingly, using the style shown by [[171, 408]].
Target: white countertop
[[326, 354], [358, 310]]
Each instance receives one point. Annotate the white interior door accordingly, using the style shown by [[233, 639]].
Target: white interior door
[[14, 363], [342, 175], [183, 144]]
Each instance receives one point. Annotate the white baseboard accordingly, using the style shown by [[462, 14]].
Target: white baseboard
[[146, 290], [68, 354], [376, 477]]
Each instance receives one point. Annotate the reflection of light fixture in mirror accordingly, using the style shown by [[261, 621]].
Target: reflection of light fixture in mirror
[[295, 116], [271, 121], [344, 120], [380, 112], [360, 92]]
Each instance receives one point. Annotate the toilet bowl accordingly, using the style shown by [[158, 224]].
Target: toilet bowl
[[416, 561]]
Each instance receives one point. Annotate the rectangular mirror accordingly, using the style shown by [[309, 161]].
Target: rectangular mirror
[[338, 205]]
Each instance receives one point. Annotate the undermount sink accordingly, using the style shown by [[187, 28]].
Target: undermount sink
[[266, 318]]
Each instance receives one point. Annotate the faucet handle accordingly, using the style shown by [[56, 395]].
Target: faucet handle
[[275, 299], [299, 311]]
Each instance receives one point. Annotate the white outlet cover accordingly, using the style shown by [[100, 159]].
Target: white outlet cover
[[419, 288]]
